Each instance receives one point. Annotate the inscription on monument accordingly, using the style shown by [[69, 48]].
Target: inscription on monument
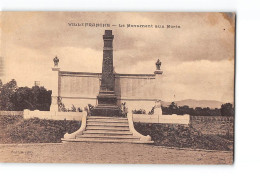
[[108, 80]]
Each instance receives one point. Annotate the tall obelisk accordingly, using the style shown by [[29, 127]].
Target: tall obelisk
[[107, 100], [108, 81]]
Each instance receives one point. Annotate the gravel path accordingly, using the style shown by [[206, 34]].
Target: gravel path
[[117, 153]]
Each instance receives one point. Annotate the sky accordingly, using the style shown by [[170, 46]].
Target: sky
[[197, 58]]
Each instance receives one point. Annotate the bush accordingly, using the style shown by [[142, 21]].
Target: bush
[[35, 130], [140, 111], [6, 120], [181, 136]]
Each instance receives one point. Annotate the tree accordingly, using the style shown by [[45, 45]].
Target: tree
[[22, 99], [173, 106], [7, 92], [172, 109], [185, 110], [41, 98], [13, 98], [227, 109]]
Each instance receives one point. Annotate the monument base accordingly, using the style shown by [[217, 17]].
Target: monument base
[[106, 110], [107, 105]]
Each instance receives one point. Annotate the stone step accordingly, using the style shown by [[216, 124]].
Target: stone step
[[107, 91], [104, 117], [106, 95], [107, 132], [108, 136], [110, 128], [106, 141], [110, 107], [107, 124], [108, 120], [118, 124]]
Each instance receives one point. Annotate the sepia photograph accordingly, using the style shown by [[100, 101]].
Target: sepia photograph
[[117, 87]]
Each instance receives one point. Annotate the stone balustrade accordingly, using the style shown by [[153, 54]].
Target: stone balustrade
[[132, 129], [80, 130]]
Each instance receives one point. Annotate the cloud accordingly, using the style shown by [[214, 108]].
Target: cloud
[[202, 32], [202, 48]]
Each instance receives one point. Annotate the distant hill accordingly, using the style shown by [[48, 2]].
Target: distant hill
[[196, 103]]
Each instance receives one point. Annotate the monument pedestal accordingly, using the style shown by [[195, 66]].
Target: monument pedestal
[[106, 110], [107, 104]]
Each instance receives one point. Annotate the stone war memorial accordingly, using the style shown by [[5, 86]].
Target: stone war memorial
[[107, 90]]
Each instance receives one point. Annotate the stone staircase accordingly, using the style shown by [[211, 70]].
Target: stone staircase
[[107, 129]]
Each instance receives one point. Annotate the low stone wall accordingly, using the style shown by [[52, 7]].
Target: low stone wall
[[170, 119], [52, 115], [11, 113]]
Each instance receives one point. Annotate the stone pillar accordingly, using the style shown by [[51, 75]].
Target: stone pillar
[[158, 88], [158, 108], [158, 84], [55, 89]]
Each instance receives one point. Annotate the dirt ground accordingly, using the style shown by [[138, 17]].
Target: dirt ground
[[116, 153]]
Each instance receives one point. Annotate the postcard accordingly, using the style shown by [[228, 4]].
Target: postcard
[[117, 87]]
